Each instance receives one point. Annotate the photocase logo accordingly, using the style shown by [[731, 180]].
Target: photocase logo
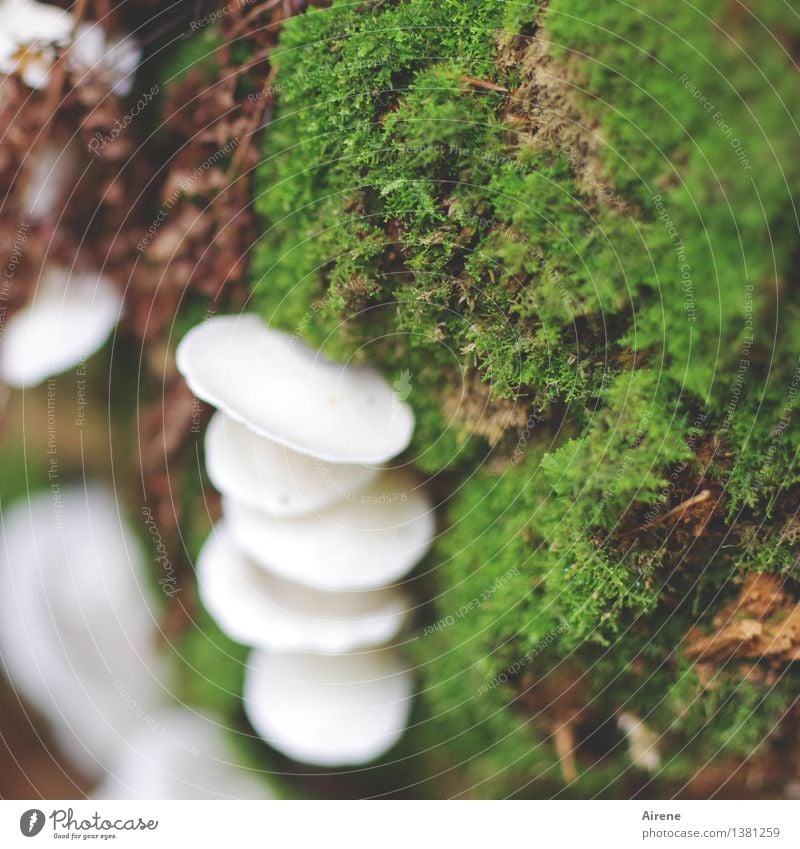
[[66, 824], [31, 822]]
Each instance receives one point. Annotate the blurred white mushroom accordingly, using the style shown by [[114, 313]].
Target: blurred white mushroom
[[50, 172], [178, 754], [340, 710], [642, 742], [110, 59], [77, 627], [258, 608], [271, 477], [29, 34], [281, 389], [70, 317], [371, 540]]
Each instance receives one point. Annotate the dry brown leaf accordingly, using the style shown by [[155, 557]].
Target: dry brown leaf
[[762, 623]]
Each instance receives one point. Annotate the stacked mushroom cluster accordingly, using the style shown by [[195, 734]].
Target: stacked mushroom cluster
[[315, 534]]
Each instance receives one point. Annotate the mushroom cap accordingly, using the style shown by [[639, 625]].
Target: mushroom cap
[[329, 710], [29, 29], [271, 477], [368, 541], [276, 385], [258, 608], [77, 620], [28, 22], [177, 754], [70, 317], [111, 59]]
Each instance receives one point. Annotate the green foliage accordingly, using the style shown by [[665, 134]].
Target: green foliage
[[196, 51]]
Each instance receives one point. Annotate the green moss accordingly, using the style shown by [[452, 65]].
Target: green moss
[[696, 121], [636, 427], [408, 221]]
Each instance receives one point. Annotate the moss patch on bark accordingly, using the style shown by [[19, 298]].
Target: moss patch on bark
[[570, 224]]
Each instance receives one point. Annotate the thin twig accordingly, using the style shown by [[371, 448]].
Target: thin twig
[[678, 512], [484, 84]]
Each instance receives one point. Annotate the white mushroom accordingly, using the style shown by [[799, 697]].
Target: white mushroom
[[328, 710], [258, 608], [312, 537], [642, 742], [276, 385], [76, 619], [112, 60], [178, 754], [28, 37], [70, 317], [371, 540], [271, 477], [51, 170]]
